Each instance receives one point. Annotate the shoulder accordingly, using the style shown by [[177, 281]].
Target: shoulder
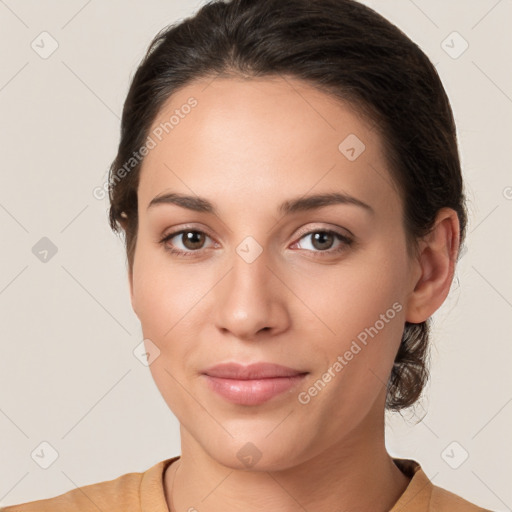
[[443, 500], [120, 494], [421, 495]]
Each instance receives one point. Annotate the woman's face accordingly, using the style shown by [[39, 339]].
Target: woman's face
[[317, 287]]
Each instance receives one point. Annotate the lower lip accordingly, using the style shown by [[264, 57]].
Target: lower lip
[[254, 391]]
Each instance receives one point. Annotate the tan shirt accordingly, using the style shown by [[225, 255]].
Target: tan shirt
[[144, 492]]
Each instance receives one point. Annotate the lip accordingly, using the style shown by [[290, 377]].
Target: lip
[[252, 384], [262, 370]]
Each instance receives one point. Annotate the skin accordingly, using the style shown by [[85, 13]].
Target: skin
[[247, 146]]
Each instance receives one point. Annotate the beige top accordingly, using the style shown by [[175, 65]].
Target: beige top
[[144, 492]]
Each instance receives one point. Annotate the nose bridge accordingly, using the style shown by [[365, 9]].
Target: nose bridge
[[250, 274], [249, 301]]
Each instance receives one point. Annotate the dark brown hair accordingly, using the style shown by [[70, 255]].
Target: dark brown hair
[[342, 48]]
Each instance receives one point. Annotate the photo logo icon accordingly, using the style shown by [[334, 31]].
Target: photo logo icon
[[454, 45], [44, 455], [454, 455], [44, 250], [249, 455], [44, 45], [351, 147], [249, 249], [146, 352]]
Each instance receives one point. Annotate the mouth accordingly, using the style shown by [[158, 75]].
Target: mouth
[[254, 384]]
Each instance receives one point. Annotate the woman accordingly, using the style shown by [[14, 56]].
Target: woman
[[289, 187]]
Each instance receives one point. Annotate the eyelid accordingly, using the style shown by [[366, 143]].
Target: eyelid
[[178, 230], [338, 230]]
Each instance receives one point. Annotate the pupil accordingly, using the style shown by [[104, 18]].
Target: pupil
[[320, 237], [192, 239]]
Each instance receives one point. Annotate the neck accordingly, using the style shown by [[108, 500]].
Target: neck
[[356, 473]]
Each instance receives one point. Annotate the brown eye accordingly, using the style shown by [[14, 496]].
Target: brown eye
[[187, 242], [192, 240], [322, 240]]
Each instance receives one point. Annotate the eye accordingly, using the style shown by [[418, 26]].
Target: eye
[[323, 240], [191, 240]]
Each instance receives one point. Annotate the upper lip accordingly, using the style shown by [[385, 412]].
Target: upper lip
[[251, 371]]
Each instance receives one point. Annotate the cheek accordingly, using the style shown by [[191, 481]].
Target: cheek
[[363, 303], [367, 317], [163, 293], [165, 300], [353, 295]]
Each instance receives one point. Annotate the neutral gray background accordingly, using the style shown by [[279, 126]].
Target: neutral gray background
[[67, 372]]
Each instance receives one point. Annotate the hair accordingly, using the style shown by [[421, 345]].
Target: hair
[[344, 49]]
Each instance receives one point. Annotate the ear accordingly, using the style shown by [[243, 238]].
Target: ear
[[435, 266]]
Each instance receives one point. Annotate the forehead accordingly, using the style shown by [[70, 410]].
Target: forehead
[[267, 136]]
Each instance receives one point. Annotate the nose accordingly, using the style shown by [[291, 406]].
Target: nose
[[251, 299]]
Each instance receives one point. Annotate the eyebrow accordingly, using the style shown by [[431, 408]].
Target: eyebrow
[[304, 203]]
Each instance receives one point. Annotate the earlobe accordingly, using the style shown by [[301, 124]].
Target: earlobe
[[436, 261]]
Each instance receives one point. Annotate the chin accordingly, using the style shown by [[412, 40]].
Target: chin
[[254, 455]]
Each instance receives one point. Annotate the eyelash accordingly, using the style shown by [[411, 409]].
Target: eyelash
[[346, 242]]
